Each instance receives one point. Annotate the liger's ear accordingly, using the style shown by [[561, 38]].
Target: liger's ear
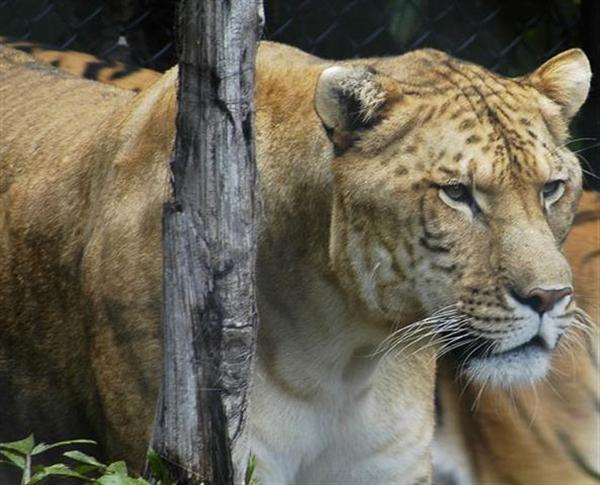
[[565, 79], [349, 97]]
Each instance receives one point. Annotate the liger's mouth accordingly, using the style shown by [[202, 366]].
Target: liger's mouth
[[522, 364], [477, 347], [536, 342]]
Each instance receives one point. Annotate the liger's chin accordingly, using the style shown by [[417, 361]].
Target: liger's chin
[[516, 367]]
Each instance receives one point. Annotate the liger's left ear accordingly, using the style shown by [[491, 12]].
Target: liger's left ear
[[349, 98], [565, 79]]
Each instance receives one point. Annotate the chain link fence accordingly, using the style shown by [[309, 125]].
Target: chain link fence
[[509, 36], [138, 32]]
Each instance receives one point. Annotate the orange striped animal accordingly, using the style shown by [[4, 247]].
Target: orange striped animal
[[88, 66]]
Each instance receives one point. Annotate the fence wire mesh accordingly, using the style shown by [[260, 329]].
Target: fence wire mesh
[[502, 35], [508, 36], [137, 32]]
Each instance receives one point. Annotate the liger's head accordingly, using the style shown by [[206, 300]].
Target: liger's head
[[454, 190]]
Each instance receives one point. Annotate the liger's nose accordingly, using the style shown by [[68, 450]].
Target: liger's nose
[[541, 300]]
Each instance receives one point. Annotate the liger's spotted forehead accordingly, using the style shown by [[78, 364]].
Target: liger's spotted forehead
[[467, 124]]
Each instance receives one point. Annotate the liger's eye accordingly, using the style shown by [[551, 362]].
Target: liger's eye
[[457, 192], [458, 197], [552, 191], [552, 188]]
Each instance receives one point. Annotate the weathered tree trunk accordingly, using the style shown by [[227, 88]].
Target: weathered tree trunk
[[209, 236]]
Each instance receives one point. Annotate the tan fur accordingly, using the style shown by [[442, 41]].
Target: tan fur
[[512, 431], [80, 270], [550, 432], [79, 224], [355, 242]]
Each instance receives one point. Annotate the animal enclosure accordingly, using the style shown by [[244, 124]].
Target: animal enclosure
[[510, 37]]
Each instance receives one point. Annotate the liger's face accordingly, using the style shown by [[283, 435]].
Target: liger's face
[[458, 201]]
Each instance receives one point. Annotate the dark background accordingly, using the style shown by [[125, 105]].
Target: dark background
[[511, 37]]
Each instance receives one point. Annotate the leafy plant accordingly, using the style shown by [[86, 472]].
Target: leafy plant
[[158, 468], [86, 468], [20, 454], [80, 466]]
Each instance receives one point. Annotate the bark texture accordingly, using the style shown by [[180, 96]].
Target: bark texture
[[209, 237]]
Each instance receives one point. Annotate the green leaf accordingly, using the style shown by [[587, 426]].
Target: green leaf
[[85, 469], [250, 478], [116, 474], [158, 468], [22, 447], [83, 458], [112, 479], [40, 448], [5, 462], [250, 468], [60, 469], [118, 468], [15, 458]]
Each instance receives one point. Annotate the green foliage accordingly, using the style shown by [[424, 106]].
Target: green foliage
[[20, 454], [84, 467], [80, 466], [158, 468], [250, 479]]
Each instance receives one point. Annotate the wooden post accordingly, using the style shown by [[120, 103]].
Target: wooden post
[[209, 236]]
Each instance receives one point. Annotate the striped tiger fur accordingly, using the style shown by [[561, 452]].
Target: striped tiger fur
[[85, 65]]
